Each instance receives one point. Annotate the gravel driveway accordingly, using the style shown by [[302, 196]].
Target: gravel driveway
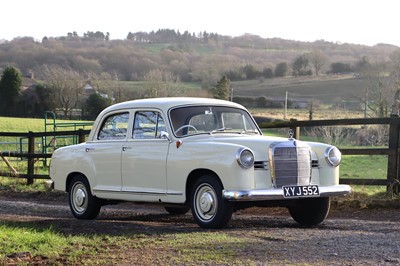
[[349, 236]]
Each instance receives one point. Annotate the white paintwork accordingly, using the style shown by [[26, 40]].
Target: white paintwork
[[156, 170]]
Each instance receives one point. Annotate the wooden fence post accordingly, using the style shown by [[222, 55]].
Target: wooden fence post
[[393, 157], [296, 130], [31, 159], [81, 136]]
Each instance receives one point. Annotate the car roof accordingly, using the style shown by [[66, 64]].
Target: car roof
[[167, 103]]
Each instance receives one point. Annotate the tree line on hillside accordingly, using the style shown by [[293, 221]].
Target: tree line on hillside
[[203, 57]]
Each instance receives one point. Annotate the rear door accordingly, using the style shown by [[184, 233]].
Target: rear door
[[144, 158], [105, 152]]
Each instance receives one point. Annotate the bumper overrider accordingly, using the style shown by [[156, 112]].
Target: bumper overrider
[[278, 193]]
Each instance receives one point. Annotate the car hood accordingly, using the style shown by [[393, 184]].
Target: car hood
[[258, 144]]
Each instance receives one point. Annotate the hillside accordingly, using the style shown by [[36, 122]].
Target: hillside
[[326, 89]]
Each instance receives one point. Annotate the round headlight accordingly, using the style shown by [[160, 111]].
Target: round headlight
[[245, 158], [333, 156]]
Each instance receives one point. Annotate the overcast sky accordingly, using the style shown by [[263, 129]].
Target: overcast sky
[[353, 21]]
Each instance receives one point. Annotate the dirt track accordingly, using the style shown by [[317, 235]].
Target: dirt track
[[347, 237]]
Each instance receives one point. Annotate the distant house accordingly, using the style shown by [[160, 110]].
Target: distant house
[[88, 89], [28, 80], [296, 103]]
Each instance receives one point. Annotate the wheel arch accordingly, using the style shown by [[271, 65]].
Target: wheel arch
[[194, 175], [71, 176]]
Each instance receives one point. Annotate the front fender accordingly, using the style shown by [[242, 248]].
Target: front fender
[[219, 158]]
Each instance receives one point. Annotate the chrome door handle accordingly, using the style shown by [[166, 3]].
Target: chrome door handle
[[124, 148]]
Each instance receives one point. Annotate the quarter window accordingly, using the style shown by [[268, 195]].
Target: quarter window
[[114, 127], [148, 125]]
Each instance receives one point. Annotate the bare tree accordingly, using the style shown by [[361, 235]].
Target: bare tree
[[380, 90], [162, 84], [318, 59], [335, 135], [67, 86], [395, 81], [109, 84]]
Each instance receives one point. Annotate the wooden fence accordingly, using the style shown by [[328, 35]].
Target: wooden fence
[[32, 155], [393, 150]]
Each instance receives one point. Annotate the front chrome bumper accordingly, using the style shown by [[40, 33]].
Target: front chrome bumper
[[277, 193]]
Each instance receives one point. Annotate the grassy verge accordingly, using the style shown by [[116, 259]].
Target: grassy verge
[[187, 248]]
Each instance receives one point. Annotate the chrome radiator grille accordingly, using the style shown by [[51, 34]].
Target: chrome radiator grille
[[290, 163]]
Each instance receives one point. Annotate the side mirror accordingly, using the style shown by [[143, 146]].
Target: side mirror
[[165, 135]]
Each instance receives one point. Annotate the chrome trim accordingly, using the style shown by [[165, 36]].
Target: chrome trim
[[261, 165], [289, 165], [328, 159], [239, 158], [314, 164], [140, 192], [291, 133], [165, 135], [277, 193]]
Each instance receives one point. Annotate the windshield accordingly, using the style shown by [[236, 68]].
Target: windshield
[[191, 120]]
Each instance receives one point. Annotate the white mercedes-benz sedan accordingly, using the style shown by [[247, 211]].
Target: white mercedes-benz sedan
[[204, 155]]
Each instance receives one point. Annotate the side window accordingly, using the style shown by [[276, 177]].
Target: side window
[[148, 125], [114, 127]]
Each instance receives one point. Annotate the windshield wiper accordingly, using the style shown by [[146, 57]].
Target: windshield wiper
[[250, 132], [223, 130]]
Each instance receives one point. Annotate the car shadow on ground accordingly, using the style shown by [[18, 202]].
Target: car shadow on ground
[[116, 224]]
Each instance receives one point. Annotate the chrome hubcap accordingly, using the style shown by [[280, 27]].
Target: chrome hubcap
[[79, 198], [205, 202]]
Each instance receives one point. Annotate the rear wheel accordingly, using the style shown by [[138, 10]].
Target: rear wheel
[[209, 209], [309, 212], [82, 203]]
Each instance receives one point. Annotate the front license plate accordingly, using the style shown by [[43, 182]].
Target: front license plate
[[300, 191]]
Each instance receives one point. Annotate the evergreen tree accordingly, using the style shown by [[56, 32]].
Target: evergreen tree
[[281, 69], [221, 90], [10, 87], [95, 104]]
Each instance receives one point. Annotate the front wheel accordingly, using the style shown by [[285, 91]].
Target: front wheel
[[209, 209], [82, 203], [310, 212]]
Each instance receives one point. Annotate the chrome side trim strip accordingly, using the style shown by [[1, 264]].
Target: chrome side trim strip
[[137, 192]]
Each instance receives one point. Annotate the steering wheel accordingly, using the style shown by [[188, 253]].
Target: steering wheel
[[185, 126]]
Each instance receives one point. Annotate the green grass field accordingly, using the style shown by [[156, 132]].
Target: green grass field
[[12, 124]]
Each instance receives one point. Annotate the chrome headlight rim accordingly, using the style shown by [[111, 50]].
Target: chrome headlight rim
[[333, 156], [245, 158]]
